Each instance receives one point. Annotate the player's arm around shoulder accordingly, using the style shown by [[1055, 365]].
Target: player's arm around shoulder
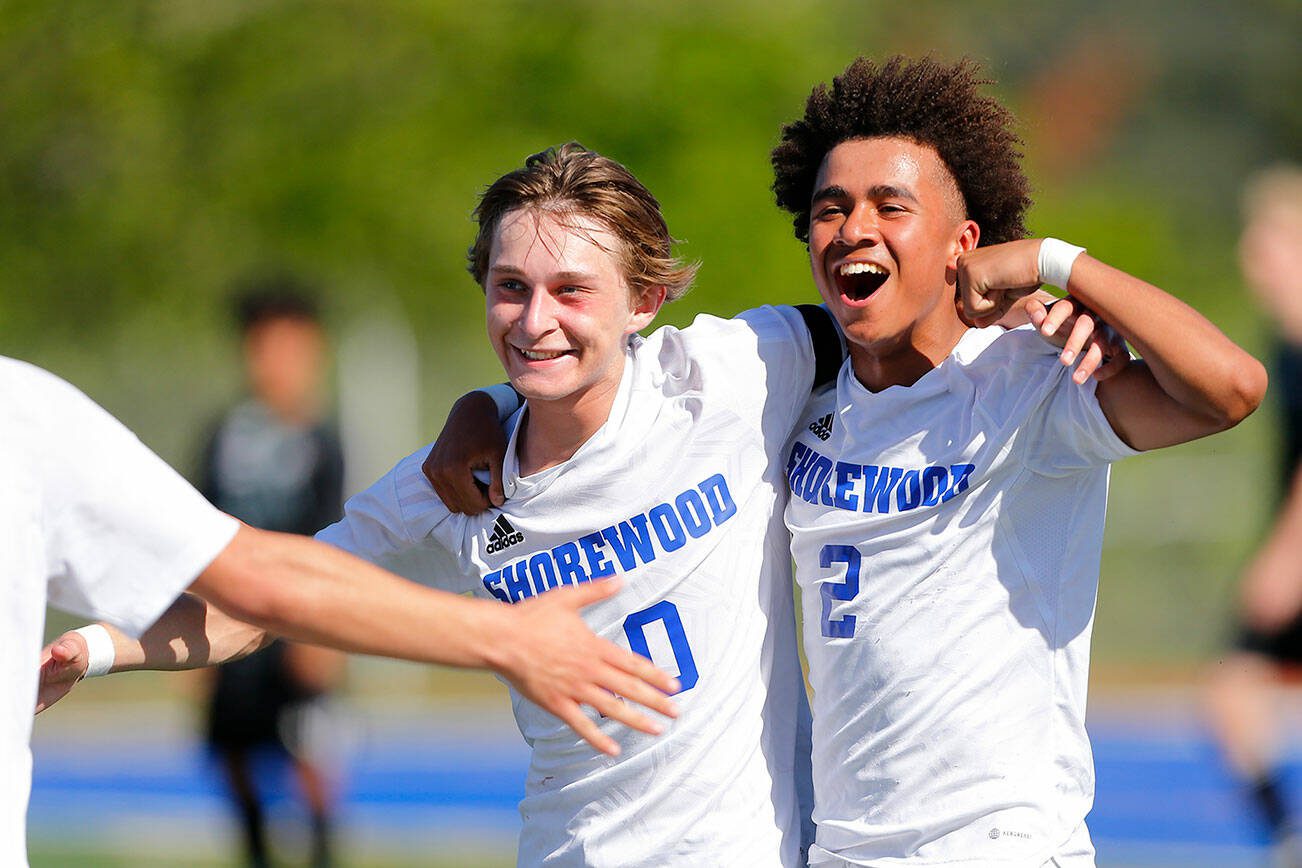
[[1191, 380]]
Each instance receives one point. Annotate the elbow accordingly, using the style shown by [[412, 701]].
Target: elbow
[[245, 582], [1245, 389]]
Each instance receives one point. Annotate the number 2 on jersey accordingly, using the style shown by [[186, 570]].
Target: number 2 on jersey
[[666, 612], [846, 589]]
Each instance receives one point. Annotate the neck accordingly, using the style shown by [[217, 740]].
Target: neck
[[552, 431], [904, 360], [293, 413]]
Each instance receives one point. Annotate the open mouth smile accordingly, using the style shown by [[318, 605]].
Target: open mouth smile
[[542, 355], [859, 280]]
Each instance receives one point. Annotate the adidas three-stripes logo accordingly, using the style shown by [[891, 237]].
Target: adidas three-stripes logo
[[822, 427], [503, 535]]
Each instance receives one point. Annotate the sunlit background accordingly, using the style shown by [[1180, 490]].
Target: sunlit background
[[151, 153]]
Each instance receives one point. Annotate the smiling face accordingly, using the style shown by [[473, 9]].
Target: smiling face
[[886, 230], [560, 309]]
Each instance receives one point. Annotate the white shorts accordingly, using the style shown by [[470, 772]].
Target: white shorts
[[1077, 852]]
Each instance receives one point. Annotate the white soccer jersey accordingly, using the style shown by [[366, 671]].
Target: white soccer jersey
[[680, 493], [947, 539], [91, 522]]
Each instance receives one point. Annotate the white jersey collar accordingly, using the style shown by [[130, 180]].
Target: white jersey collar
[[973, 342], [515, 485]]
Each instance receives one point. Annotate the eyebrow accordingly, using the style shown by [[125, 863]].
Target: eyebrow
[[880, 191], [833, 192], [565, 276]]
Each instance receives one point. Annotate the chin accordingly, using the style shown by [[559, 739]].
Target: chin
[[533, 390]]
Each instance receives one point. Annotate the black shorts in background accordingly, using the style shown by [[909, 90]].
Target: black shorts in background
[[1283, 646]]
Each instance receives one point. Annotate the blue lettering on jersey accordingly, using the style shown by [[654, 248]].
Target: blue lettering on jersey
[[567, 564], [599, 566], [630, 540], [665, 527], [818, 479]]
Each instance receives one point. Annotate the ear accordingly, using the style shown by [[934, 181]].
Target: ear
[[645, 310], [966, 237]]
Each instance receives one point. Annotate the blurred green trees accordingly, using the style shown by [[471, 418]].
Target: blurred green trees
[[152, 152]]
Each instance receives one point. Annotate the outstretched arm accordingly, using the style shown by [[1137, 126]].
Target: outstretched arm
[[1192, 380], [311, 592], [189, 635]]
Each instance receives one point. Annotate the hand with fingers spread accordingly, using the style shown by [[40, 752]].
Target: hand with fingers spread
[[992, 279], [63, 664], [557, 663], [472, 439], [1066, 323]]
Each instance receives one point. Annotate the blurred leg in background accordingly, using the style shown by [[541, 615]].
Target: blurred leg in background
[[1244, 688]]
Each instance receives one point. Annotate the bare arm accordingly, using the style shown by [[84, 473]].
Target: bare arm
[[1192, 380], [1272, 583], [471, 439], [190, 634], [311, 592]]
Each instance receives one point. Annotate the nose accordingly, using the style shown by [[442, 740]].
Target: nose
[[860, 226], [539, 314]]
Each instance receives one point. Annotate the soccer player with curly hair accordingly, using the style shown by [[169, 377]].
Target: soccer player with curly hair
[[947, 493]]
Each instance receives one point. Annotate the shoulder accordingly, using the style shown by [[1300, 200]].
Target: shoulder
[[401, 492], [21, 380], [407, 479], [47, 410], [994, 346], [768, 322], [761, 334], [1008, 373]]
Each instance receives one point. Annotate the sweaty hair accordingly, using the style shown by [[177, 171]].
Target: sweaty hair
[[274, 296], [929, 103], [572, 181]]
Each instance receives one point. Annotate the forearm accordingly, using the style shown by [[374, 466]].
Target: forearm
[[1282, 548], [1190, 359], [189, 635], [312, 592]]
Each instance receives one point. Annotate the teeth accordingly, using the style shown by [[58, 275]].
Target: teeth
[[533, 356], [848, 268]]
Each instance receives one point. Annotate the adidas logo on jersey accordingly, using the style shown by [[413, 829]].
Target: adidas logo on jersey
[[822, 427], [503, 536]]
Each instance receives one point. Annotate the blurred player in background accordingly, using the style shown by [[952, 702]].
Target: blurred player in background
[[275, 462], [1268, 650]]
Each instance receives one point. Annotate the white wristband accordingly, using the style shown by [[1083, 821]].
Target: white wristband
[[1055, 261], [506, 399], [99, 650]]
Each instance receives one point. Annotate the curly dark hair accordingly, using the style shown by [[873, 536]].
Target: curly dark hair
[[925, 101]]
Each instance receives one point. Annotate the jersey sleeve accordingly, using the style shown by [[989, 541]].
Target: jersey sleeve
[[766, 360], [393, 524], [124, 533]]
